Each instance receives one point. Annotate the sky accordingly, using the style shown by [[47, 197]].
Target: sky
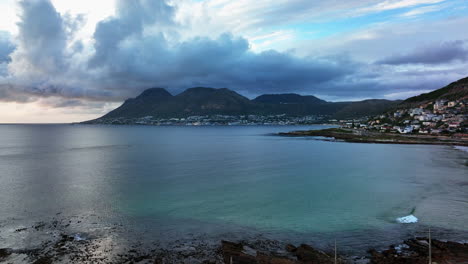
[[69, 61]]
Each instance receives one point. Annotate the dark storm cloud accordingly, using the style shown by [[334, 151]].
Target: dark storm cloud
[[444, 53], [127, 59], [139, 48], [223, 62]]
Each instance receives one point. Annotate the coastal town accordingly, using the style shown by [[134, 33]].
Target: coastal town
[[435, 117], [436, 122], [219, 120]]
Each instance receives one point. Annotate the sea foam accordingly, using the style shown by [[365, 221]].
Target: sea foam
[[409, 219], [462, 148], [78, 237]]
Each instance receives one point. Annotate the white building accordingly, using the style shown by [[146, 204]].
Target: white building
[[440, 104], [405, 130], [416, 111]]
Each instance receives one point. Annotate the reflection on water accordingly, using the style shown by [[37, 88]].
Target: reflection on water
[[238, 180]]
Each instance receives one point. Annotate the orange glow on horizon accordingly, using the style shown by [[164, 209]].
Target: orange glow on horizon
[[11, 112]]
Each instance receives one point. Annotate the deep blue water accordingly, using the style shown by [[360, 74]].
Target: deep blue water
[[173, 182]]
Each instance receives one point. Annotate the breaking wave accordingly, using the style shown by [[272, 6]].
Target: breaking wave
[[409, 219]]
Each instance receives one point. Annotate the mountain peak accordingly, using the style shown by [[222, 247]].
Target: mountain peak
[[154, 92], [203, 90]]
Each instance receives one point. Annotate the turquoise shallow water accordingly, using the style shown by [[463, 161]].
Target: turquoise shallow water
[[170, 182]]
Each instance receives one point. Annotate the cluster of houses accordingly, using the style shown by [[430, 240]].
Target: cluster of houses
[[437, 117], [206, 120]]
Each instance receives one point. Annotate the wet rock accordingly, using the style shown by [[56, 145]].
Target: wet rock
[[5, 252], [158, 261], [268, 259], [417, 251], [39, 226], [141, 258], [44, 260], [359, 260], [308, 254], [184, 249], [290, 248], [232, 253], [236, 253], [249, 251]]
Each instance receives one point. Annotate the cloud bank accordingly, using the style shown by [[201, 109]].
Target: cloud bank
[[146, 44], [446, 52]]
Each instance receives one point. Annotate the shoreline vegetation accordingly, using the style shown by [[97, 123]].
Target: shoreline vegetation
[[364, 136], [61, 245]]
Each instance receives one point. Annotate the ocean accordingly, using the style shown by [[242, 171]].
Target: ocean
[[167, 184]]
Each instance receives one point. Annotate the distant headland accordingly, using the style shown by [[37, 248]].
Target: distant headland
[[438, 117]]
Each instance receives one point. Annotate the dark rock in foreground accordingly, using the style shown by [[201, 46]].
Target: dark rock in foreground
[[62, 246], [4, 252], [416, 251], [239, 253], [69, 250]]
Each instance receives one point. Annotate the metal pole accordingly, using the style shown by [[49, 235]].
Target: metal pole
[[430, 247], [335, 253]]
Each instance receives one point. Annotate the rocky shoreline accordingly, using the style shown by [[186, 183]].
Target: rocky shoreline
[[61, 246], [363, 136]]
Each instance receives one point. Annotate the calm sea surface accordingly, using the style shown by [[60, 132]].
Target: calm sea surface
[[168, 183]]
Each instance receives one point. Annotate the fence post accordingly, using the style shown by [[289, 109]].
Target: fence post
[[430, 247], [335, 253]]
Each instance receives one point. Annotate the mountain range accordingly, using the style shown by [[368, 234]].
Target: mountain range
[[200, 101]]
